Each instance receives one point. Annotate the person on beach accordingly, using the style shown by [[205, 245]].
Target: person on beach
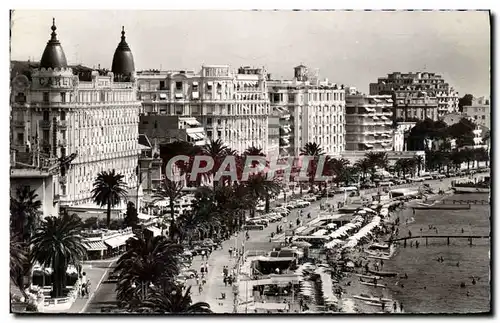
[[401, 307], [409, 233], [406, 276], [394, 306], [416, 244]]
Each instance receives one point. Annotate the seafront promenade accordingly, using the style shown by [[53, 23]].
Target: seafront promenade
[[258, 240]]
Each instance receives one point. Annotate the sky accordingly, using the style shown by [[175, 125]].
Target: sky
[[348, 47]]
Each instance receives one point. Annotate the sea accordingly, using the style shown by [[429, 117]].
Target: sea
[[433, 286]]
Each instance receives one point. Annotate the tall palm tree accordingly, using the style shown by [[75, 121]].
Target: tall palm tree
[[339, 169], [173, 301], [109, 189], [259, 188], [364, 166], [313, 150], [25, 212], [376, 159], [218, 151], [468, 156], [57, 243], [171, 190], [154, 261], [419, 161]]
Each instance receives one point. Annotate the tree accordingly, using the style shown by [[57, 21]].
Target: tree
[[109, 189], [338, 167], [364, 166], [25, 212], [131, 217], [18, 261], [218, 151], [466, 100], [173, 301], [376, 159], [171, 190], [419, 161], [462, 131], [468, 155], [57, 243], [262, 189], [154, 261], [314, 150]]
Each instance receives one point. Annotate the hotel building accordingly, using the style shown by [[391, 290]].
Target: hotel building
[[368, 121], [479, 112], [88, 119], [230, 106], [310, 111], [410, 89]]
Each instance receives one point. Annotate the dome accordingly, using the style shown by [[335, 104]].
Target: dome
[[53, 55], [123, 61]]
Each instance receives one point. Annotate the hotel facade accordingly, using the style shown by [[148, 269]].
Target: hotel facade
[[86, 118], [232, 106], [310, 111], [418, 95], [368, 122]]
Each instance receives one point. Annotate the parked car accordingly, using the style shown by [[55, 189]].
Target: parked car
[[188, 273], [303, 204]]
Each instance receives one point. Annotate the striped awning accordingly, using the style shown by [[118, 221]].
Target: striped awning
[[95, 245]]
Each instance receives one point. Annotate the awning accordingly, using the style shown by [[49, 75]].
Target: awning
[[383, 117], [156, 231], [163, 95], [95, 245], [375, 117], [368, 145], [191, 121], [193, 136], [195, 83], [178, 95], [369, 109], [115, 242], [210, 83]]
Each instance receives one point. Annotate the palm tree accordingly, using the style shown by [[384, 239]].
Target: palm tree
[[339, 169], [364, 166], [18, 261], [57, 243], [468, 156], [313, 150], [173, 301], [109, 190], [218, 151], [154, 261], [25, 212], [171, 190], [259, 188], [376, 159], [419, 161]]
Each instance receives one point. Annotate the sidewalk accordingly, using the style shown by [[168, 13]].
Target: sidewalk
[[215, 284]]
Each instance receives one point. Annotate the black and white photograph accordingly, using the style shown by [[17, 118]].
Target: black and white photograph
[[244, 162]]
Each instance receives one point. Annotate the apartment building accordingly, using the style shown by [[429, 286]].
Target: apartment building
[[230, 105], [310, 111], [479, 112], [411, 86], [368, 122]]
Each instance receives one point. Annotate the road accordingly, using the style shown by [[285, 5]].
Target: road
[[259, 240]]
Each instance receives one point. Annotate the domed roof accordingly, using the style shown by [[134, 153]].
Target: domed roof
[[53, 55], [123, 61]]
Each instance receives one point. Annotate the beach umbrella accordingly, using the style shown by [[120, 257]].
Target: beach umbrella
[[331, 226]]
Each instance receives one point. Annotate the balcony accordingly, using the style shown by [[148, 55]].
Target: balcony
[[44, 124], [18, 123], [62, 143], [63, 124]]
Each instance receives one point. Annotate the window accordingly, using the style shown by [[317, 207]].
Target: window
[[45, 115], [45, 96], [209, 133], [21, 98], [156, 124], [162, 85], [209, 121], [178, 85], [219, 134], [20, 138], [63, 115], [63, 97]]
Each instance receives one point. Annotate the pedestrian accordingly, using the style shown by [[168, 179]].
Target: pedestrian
[[394, 306], [230, 252], [200, 289], [225, 281], [230, 280], [206, 268], [202, 270], [197, 280], [202, 254], [401, 307]]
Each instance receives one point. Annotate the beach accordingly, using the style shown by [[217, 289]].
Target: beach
[[432, 286]]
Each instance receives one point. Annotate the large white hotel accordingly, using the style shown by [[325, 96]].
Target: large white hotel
[[88, 117]]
